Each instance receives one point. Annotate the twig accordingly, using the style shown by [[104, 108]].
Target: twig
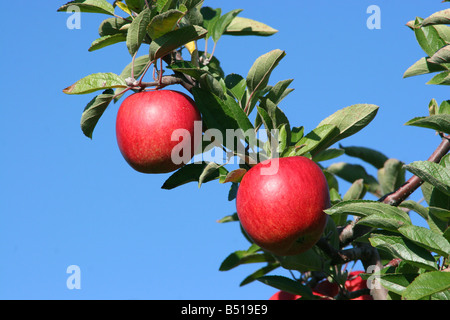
[[366, 253], [159, 83], [353, 231], [414, 182]]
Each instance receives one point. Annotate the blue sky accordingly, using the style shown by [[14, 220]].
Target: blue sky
[[67, 200]]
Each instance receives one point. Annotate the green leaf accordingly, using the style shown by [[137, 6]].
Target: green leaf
[[309, 260], [404, 249], [283, 139], [440, 213], [215, 113], [427, 284], [288, 285], [241, 118], [431, 215], [444, 108], [423, 66], [191, 4], [135, 5], [163, 23], [259, 273], [247, 27], [91, 6], [317, 139], [222, 23], [164, 5], [215, 86], [191, 173], [207, 171], [432, 173], [138, 31], [213, 66], [373, 213], [353, 172], [350, 120], [188, 68], [438, 122], [430, 194], [371, 156], [428, 38], [391, 176], [440, 17], [426, 238], [444, 33], [356, 191], [441, 56], [230, 218], [95, 82], [210, 17], [236, 84], [266, 120], [94, 110], [276, 115], [112, 26], [442, 78], [174, 39], [328, 154], [396, 282], [232, 193], [259, 74], [279, 91], [433, 107], [107, 41], [240, 257], [296, 134]]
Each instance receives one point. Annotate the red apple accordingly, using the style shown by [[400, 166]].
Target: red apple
[[355, 282], [327, 288], [283, 295], [144, 126], [280, 204]]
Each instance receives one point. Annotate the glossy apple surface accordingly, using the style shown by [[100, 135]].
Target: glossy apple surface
[[282, 210], [283, 295], [144, 126], [328, 290], [355, 282]]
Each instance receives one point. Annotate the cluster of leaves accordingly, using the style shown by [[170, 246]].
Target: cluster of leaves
[[247, 106], [165, 26], [421, 254]]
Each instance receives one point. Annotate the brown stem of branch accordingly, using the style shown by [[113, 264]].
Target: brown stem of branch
[[366, 253], [414, 182], [163, 82], [353, 231]]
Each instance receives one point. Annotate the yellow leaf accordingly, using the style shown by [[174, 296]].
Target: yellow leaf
[[190, 46], [124, 7]]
